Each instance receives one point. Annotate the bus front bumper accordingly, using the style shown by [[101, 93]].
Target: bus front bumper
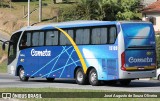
[[11, 70]]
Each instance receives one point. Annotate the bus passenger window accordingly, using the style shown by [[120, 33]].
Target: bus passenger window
[[41, 38], [52, 38], [112, 35], [82, 36], [35, 38], [64, 40], [104, 36], [25, 41], [99, 36]]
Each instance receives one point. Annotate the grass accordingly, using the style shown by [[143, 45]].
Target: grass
[[31, 90], [3, 66], [94, 99]]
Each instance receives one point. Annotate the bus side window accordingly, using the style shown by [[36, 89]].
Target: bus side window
[[35, 38], [70, 32], [52, 38], [82, 36], [25, 41], [112, 35], [41, 38], [63, 39], [104, 35], [99, 36]]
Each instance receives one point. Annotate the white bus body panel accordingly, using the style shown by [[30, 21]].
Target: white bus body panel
[[13, 66]]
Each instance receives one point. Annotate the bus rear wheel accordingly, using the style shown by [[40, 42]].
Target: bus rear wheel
[[22, 76], [93, 77], [80, 77]]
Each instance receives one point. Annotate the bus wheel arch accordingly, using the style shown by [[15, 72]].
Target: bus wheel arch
[[80, 77], [159, 77], [17, 70]]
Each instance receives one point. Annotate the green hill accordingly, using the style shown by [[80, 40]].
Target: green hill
[[13, 15]]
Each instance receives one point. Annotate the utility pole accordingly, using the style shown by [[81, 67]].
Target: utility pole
[[40, 10], [28, 12]]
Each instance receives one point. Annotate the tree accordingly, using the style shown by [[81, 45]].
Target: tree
[[129, 10], [158, 49], [106, 10]]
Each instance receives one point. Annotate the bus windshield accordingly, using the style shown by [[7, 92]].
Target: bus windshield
[[12, 52]]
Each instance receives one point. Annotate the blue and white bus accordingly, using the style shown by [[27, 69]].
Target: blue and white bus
[[89, 51]]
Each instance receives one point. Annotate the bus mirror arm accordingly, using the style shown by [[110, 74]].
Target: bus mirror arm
[[4, 44]]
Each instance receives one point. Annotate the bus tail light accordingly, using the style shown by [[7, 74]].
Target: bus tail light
[[123, 61]]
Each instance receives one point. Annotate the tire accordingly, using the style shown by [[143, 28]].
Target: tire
[[50, 79], [159, 77], [125, 82], [80, 77], [22, 77], [93, 77]]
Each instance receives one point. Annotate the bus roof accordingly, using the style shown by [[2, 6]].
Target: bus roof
[[78, 23]]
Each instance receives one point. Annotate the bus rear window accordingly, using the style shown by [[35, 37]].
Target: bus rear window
[[137, 30]]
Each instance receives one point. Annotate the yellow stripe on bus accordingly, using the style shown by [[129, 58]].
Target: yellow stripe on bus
[[76, 49], [144, 68]]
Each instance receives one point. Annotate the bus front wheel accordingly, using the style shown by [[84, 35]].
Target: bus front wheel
[[80, 77], [22, 76], [93, 77]]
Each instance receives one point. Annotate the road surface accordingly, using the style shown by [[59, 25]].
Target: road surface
[[135, 86]]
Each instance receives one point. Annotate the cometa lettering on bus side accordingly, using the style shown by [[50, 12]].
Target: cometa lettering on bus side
[[40, 53]]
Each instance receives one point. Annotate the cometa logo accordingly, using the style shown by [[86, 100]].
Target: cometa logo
[[140, 60], [40, 53]]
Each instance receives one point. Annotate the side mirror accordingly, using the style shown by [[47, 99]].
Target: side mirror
[[4, 46]]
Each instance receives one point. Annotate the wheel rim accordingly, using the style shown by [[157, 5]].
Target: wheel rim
[[93, 77], [22, 73], [80, 76]]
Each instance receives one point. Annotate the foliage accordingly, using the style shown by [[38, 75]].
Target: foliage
[[128, 9], [4, 4], [104, 10], [158, 49]]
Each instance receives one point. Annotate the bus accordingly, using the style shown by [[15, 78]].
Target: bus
[[87, 51]]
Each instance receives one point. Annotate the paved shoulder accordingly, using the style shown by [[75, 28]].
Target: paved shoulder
[[135, 86]]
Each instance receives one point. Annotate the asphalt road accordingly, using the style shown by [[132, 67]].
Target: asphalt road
[[135, 86]]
